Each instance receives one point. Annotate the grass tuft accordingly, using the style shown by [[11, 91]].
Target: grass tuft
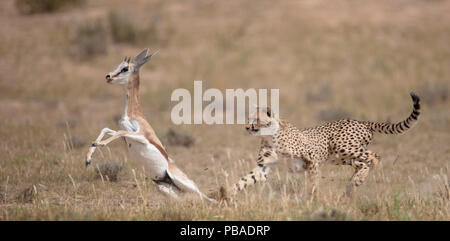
[[109, 171], [27, 195]]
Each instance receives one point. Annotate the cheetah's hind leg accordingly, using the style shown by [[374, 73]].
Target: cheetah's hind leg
[[362, 160], [221, 195]]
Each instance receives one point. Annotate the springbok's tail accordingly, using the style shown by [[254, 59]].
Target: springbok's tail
[[398, 128]]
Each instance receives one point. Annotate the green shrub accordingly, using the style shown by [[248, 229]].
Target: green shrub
[[435, 93], [322, 94], [332, 114], [44, 6], [122, 30], [90, 40], [179, 138]]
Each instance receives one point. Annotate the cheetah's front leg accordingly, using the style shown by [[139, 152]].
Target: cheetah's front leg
[[266, 158], [312, 168]]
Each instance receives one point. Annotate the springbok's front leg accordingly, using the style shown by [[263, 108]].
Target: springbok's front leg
[[121, 133], [114, 135], [93, 146]]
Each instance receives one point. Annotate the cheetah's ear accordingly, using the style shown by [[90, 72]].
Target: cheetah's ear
[[269, 112]]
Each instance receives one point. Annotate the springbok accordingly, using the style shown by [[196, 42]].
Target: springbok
[[143, 144]]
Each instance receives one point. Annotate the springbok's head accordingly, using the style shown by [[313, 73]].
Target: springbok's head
[[128, 66]]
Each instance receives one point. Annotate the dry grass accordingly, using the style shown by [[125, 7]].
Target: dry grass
[[361, 57]]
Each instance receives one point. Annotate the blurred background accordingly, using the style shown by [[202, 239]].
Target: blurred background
[[330, 60]]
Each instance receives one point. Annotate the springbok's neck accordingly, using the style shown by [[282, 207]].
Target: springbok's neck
[[132, 105]]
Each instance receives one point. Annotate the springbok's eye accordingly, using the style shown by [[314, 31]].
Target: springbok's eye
[[124, 70]]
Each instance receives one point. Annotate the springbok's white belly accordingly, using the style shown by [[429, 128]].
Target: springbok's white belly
[[147, 156]]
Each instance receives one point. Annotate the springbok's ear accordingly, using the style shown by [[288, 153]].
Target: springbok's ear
[[142, 58]]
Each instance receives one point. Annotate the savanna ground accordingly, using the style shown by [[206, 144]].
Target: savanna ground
[[329, 59]]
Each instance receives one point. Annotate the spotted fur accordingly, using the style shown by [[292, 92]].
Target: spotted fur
[[344, 142]]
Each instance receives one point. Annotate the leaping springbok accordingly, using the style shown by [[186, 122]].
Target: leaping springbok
[[143, 144]]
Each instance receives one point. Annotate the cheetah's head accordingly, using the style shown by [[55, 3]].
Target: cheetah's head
[[262, 122]]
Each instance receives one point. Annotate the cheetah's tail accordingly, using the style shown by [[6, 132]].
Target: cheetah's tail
[[400, 127]]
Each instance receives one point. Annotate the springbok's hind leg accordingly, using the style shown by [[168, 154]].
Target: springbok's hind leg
[[167, 189]]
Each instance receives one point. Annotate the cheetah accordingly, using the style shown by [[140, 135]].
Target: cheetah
[[343, 141]]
